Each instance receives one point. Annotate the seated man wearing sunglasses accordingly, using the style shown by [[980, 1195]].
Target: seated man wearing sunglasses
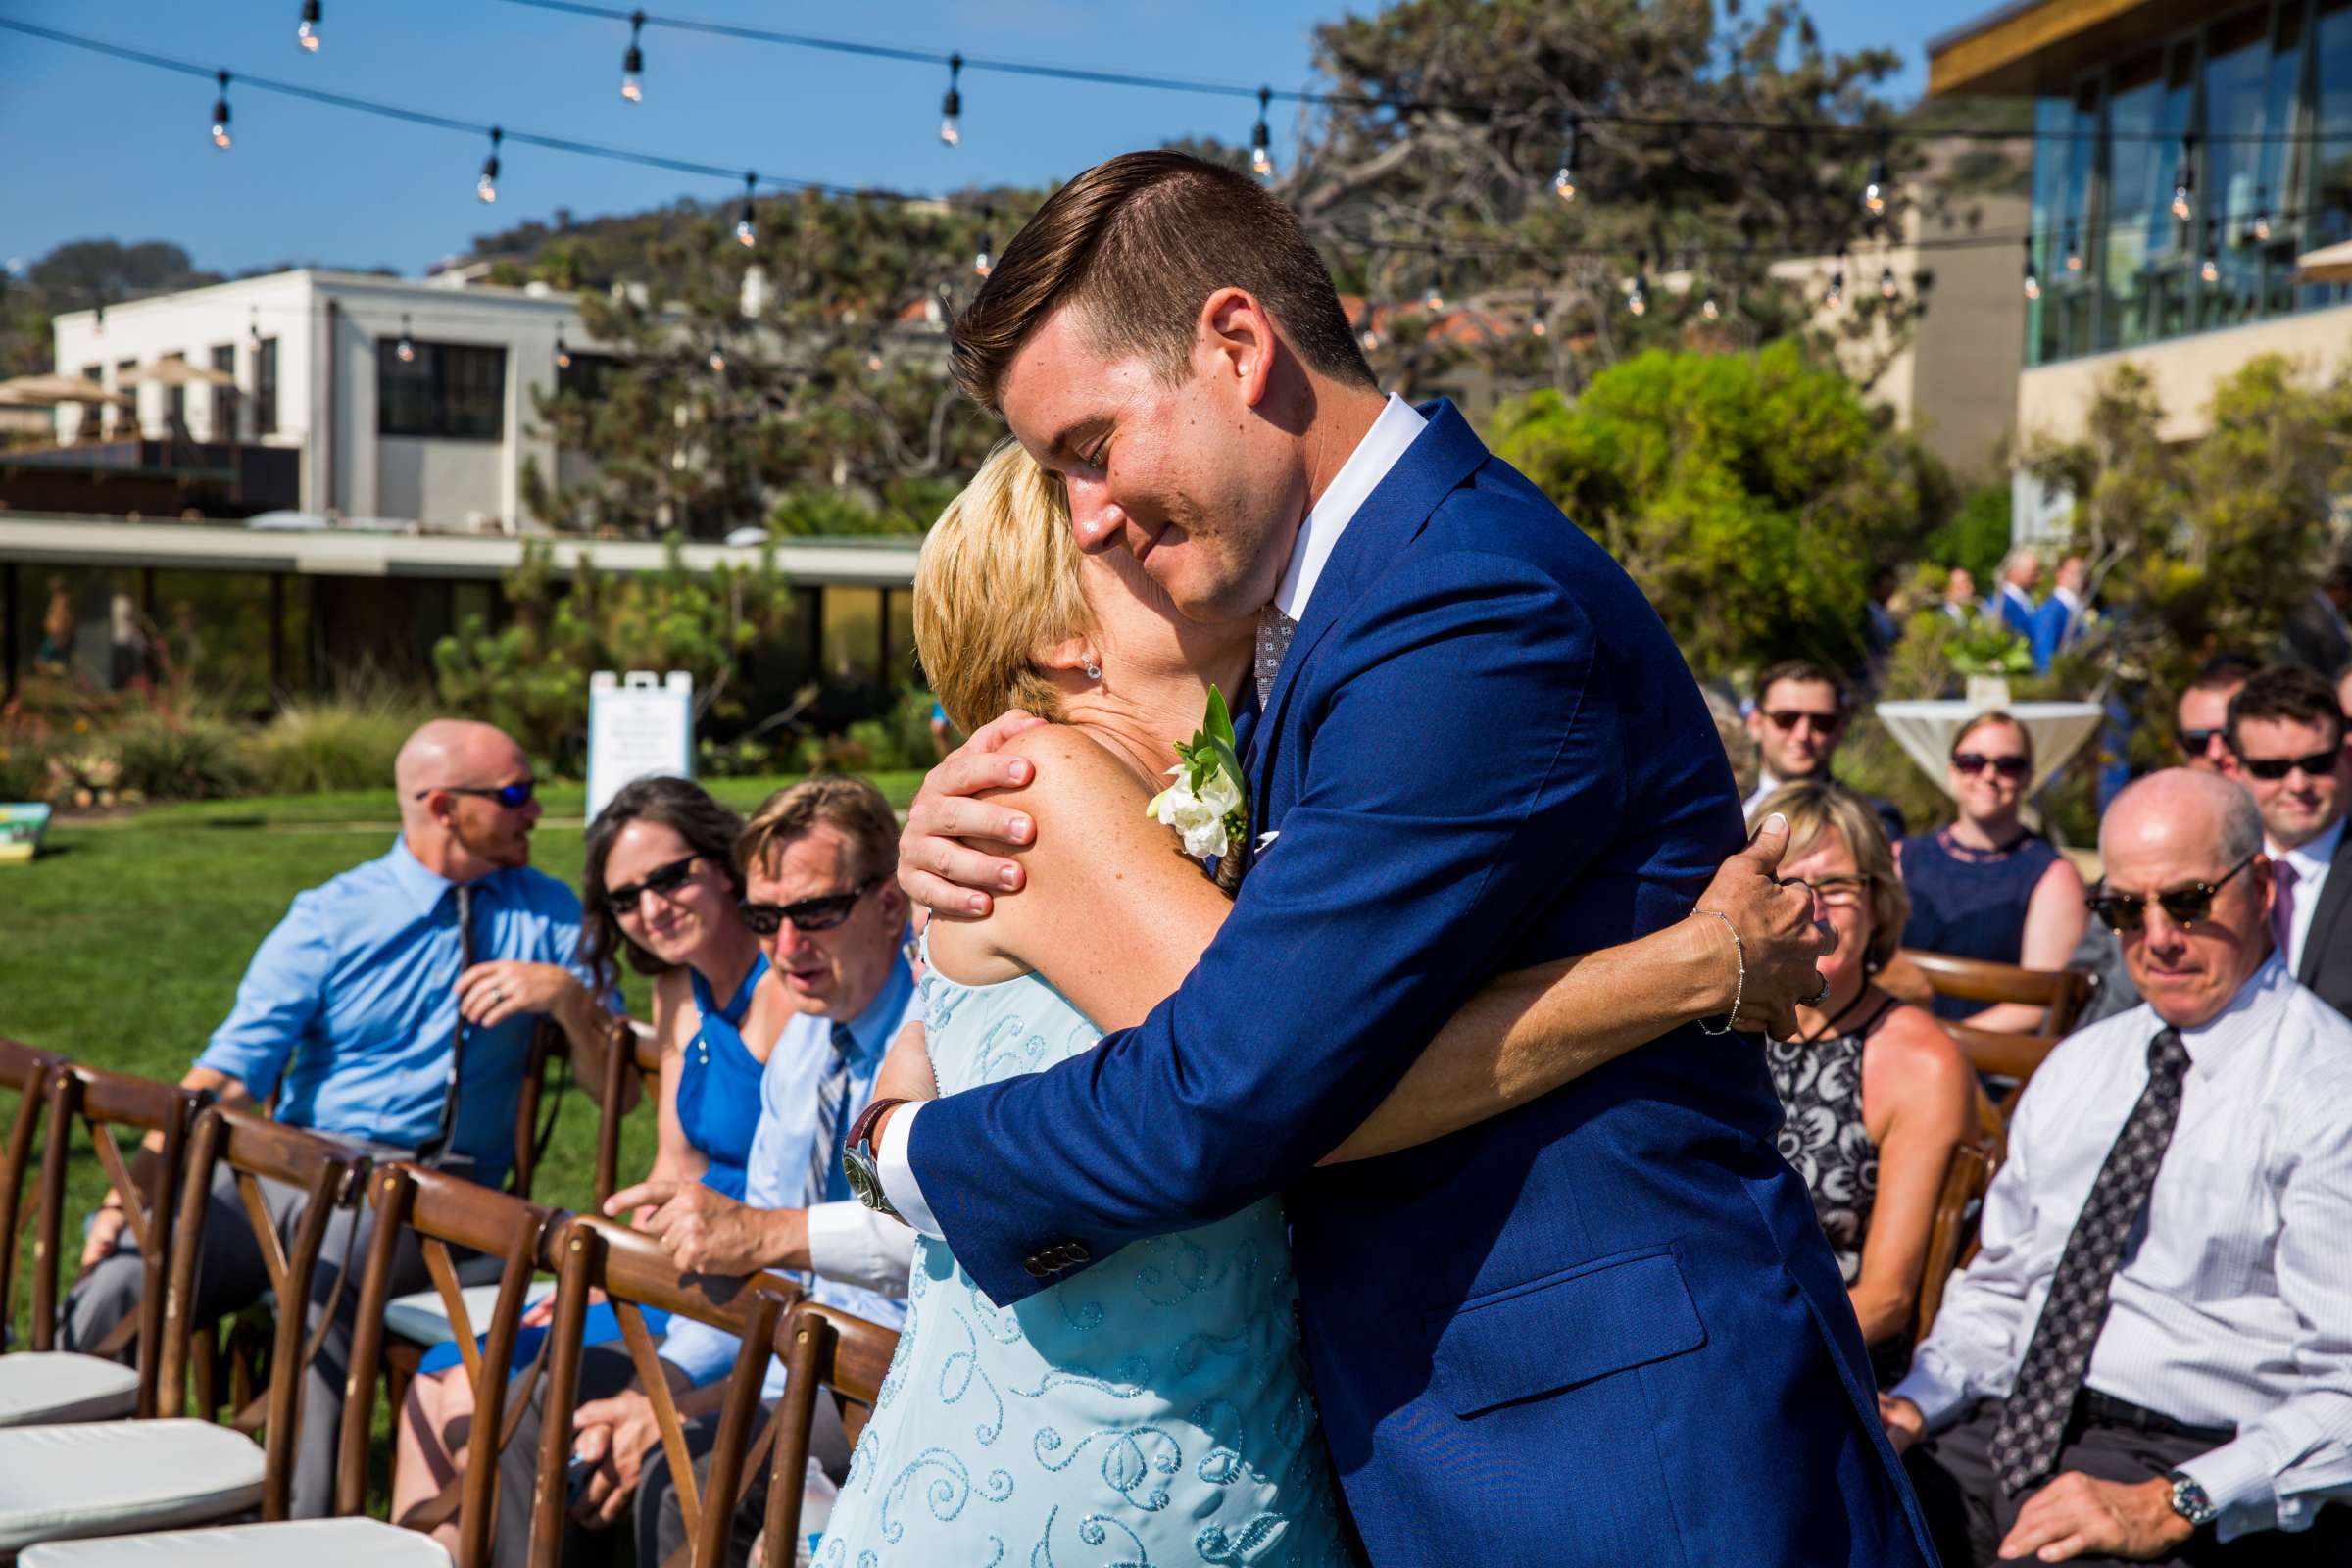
[[392, 1008], [2150, 1361], [2285, 737]]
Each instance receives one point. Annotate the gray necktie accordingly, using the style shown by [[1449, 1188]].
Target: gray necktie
[[433, 1147], [832, 1093], [1274, 633]]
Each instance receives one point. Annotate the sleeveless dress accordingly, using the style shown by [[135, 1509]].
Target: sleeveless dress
[[1970, 902], [1823, 1138], [1152, 1409], [719, 1083]]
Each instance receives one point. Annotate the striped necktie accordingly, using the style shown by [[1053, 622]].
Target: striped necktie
[[833, 1091]]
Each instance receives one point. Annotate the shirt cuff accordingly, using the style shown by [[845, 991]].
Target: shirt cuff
[[1939, 1397], [855, 1246], [2236, 1477], [898, 1184]]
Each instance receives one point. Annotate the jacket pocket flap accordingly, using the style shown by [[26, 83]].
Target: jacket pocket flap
[[1564, 1329]]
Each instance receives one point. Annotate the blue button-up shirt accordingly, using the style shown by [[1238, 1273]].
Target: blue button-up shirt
[[349, 1008], [782, 1150]]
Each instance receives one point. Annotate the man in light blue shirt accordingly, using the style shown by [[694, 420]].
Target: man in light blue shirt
[[820, 862], [349, 1017]]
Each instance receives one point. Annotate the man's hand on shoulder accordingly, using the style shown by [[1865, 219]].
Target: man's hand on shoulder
[[936, 867]]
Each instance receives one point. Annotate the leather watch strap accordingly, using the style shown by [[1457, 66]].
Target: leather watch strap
[[862, 1130]]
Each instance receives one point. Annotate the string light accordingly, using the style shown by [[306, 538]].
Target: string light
[[1261, 155], [873, 355], [2262, 215], [1888, 287], [404, 350], [563, 353], [2033, 277], [1874, 192], [486, 187], [1564, 180], [1367, 329], [1636, 299], [719, 360], [1708, 309], [1433, 299], [2186, 186], [2074, 251], [1836, 298], [220, 113], [98, 319], [1540, 324], [306, 34], [2211, 271], [951, 108], [632, 64], [984, 260], [746, 232], [253, 329]]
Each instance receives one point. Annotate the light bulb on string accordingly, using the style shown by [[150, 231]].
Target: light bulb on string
[[563, 353], [2074, 250], [2185, 185], [404, 350], [746, 229], [1637, 298], [632, 64], [717, 360], [1261, 155], [1539, 323], [486, 187], [1708, 309], [307, 33], [1563, 180], [98, 319], [253, 329], [2262, 217], [1367, 329], [873, 356], [2033, 277], [220, 113], [1888, 287], [984, 260], [1836, 298], [951, 108], [2211, 271], [1874, 191], [1433, 298]]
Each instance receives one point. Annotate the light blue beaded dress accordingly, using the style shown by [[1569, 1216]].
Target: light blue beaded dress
[[1150, 1410]]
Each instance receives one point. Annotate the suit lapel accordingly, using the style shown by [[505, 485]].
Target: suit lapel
[[2335, 893]]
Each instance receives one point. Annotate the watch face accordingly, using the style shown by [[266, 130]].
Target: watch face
[[865, 1184]]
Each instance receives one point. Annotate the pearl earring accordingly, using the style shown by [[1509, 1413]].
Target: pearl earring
[[1094, 671]]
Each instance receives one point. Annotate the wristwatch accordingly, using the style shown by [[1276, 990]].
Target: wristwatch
[[858, 1159], [2189, 1499]]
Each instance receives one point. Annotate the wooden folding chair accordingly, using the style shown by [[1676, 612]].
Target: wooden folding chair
[[535, 1115], [635, 1273], [827, 1350], [1965, 1181], [631, 1049], [26, 1070], [2060, 994]]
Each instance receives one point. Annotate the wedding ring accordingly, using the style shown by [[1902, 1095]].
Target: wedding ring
[[496, 996]]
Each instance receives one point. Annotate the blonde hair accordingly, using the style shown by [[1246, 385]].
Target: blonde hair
[[1813, 808], [996, 585]]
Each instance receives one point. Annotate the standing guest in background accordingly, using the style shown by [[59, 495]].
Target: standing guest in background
[[2150, 1361], [1882, 629], [56, 651], [392, 1009], [2344, 690], [2015, 602], [2316, 635], [2286, 747], [1877, 1095], [1738, 746], [1987, 887], [1960, 596], [2201, 719], [1799, 717], [941, 742], [2060, 619]]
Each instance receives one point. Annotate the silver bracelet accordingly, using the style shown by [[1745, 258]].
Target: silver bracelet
[[1739, 986]]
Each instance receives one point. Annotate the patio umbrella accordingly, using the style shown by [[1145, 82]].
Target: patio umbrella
[[28, 390], [2329, 263], [174, 372]]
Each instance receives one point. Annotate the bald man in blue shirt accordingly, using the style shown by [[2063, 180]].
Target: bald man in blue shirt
[[350, 1016]]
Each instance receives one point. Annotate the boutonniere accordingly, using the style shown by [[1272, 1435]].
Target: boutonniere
[[1207, 804]]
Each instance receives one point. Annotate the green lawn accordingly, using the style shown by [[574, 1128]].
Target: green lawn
[[123, 944]]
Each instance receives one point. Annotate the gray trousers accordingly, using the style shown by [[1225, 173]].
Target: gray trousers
[[231, 1276]]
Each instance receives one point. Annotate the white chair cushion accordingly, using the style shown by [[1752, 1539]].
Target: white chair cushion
[[297, 1543], [48, 1387], [424, 1317], [107, 1477]]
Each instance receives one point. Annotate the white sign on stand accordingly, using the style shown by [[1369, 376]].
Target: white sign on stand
[[638, 726]]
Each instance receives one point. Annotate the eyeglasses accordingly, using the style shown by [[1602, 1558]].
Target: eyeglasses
[[1967, 765], [806, 915], [1841, 892], [2197, 742], [2127, 912], [508, 796], [662, 879], [2271, 769], [1823, 723]]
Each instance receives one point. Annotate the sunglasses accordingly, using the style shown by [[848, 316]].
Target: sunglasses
[[2129, 912], [508, 796], [1823, 723], [806, 915], [662, 879], [1967, 765], [2197, 742], [2271, 769]]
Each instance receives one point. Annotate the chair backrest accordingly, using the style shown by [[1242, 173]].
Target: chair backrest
[[2059, 993], [628, 1050], [1965, 1181], [99, 1101], [26, 1070], [330, 1176], [2001, 1056], [550, 1048], [635, 1273], [823, 1349], [444, 1211]]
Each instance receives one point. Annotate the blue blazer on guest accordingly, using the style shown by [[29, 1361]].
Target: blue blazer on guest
[[1603, 1328], [2017, 609], [2054, 626]]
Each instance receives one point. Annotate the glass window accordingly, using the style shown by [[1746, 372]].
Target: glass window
[[451, 390], [585, 377], [2329, 172], [2237, 85], [853, 635], [2142, 150], [88, 426], [2053, 120], [225, 398], [264, 388], [127, 415], [175, 401]]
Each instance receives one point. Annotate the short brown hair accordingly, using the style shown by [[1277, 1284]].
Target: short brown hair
[[1140, 242], [1813, 808], [2287, 692], [1806, 670], [850, 804]]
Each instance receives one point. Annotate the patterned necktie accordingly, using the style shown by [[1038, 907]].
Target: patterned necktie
[[2025, 1446], [2283, 907], [824, 1154], [433, 1147], [1274, 633]]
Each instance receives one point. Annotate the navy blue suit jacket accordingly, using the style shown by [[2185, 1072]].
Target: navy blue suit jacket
[[1603, 1328]]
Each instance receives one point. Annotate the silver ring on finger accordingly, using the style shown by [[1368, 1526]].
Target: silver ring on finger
[[496, 996], [1818, 997]]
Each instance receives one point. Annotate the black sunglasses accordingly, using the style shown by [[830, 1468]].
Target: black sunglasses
[[2197, 742], [1970, 763], [2271, 769], [662, 879], [508, 796], [2127, 912], [1789, 719], [806, 915]]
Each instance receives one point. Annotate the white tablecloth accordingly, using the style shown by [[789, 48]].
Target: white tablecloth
[[1925, 730]]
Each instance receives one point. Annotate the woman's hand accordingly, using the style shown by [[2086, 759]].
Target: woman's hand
[[1781, 943], [905, 1073], [543, 1312], [105, 1233]]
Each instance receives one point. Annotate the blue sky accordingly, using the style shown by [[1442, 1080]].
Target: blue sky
[[103, 148]]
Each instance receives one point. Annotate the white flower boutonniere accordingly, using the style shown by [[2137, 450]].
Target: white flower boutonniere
[[1207, 804]]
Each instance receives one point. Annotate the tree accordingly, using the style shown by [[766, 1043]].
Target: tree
[[1750, 495]]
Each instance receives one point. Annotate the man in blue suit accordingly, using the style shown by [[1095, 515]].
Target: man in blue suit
[[1602, 1328], [2059, 620], [2014, 601]]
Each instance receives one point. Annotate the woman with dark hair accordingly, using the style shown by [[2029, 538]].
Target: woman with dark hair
[[660, 890]]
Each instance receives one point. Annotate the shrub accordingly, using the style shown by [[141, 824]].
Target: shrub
[[342, 744], [195, 760], [24, 770]]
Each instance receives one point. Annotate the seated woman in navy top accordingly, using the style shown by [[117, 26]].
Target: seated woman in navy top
[[1987, 887], [661, 890]]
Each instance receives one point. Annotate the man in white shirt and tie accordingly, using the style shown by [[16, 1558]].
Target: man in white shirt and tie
[[2150, 1361], [2284, 743]]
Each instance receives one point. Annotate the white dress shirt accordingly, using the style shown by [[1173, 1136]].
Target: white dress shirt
[[2233, 1304], [1765, 785], [1399, 424], [2310, 861]]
